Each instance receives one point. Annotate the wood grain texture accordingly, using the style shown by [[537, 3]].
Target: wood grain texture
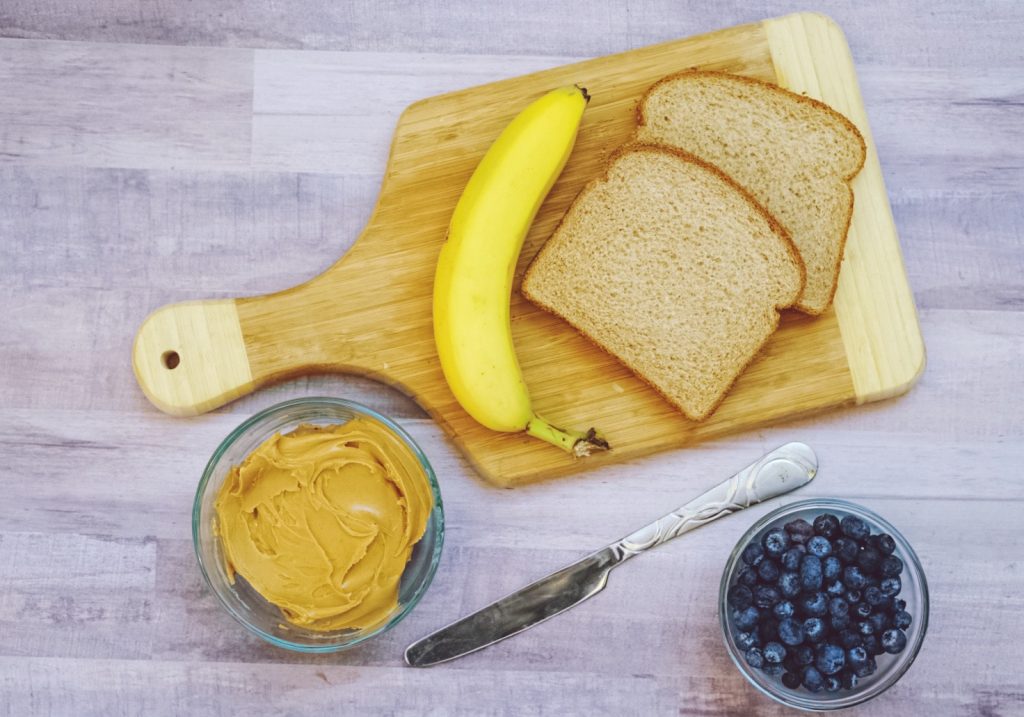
[[102, 608], [209, 335], [870, 350], [529, 27], [873, 302]]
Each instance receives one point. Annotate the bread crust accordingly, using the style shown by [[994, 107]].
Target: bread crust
[[641, 119], [773, 224]]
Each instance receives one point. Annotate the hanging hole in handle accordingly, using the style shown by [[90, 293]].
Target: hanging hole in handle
[[170, 359]]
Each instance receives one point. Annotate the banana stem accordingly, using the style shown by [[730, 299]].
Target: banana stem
[[575, 442]]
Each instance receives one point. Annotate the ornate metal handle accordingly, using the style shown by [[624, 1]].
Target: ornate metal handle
[[784, 469]]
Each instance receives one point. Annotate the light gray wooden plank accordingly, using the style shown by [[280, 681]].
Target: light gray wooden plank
[[957, 131], [114, 687], [979, 34], [335, 112], [125, 106], [964, 252], [67, 594], [374, 83], [190, 233], [946, 131]]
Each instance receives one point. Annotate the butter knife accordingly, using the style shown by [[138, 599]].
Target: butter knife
[[784, 469]]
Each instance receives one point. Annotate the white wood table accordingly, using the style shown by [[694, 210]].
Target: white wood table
[[128, 180]]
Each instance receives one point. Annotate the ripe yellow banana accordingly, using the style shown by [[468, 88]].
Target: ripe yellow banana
[[473, 284]]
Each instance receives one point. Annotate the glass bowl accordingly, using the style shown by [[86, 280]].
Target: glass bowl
[[890, 667], [240, 600]]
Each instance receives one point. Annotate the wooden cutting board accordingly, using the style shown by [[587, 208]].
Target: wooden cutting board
[[370, 313]]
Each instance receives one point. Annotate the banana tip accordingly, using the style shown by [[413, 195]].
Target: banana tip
[[586, 95]]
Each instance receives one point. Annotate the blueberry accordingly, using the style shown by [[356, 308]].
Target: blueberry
[[813, 604], [830, 659], [873, 596], [773, 670], [831, 567], [884, 542], [754, 657], [862, 610], [891, 586], [864, 627], [838, 606], [869, 559], [845, 549], [747, 576], [850, 638], [810, 573], [774, 653], [853, 596], [783, 609], [867, 669], [775, 542], [854, 578], [880, 621], [768, 571], [850, 680], [789, 584], [752, 552], [746, 619], [791, 632], [835, 588], [872, 645], [839, 622], [814, 629], [765, 596], [791, 558], [891, 566], [856, 656], [854, 528], [900, 605], [740, 597], [803, 655], [768, 630], [833, 684], [901, 619], [826, 525], [791, 680], [746, 640], [819, 546], [893, 641], [812, 679], [799, 530]]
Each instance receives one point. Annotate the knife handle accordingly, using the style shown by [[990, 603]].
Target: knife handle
[[784, 469]]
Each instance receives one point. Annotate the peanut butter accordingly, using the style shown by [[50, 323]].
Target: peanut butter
[[322, 521]]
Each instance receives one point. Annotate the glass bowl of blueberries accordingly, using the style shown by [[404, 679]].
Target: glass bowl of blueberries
[[823, 604]]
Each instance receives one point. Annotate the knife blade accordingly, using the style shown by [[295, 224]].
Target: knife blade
[[780, 471]]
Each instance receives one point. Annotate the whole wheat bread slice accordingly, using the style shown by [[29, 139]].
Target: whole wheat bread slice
[[795, 155], [670, 266]]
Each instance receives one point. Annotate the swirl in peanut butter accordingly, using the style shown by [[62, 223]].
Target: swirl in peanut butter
[[322, 521]]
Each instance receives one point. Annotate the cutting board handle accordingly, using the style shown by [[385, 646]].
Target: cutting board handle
[[190, 357]]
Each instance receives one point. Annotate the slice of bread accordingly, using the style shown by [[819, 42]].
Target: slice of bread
[[670, 266], [795, 155]]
